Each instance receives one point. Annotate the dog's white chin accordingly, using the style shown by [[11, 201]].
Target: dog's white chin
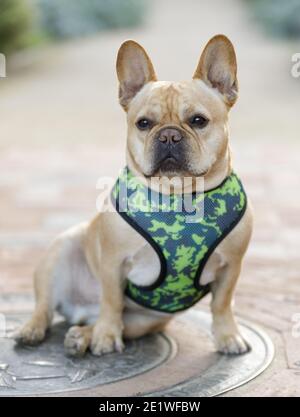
[[174, 171], [175, 174]]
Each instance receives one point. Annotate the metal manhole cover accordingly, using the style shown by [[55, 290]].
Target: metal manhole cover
[[180, 362], [228, 371], [46, 369]]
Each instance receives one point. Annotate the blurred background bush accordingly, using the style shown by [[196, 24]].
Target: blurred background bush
[[15, 25], [280, 18], [26, 22], [67, 18]]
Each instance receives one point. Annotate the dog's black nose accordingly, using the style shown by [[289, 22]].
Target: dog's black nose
[[169, 136]]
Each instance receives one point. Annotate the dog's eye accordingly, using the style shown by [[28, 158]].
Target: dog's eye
[[144, 124], [198, 121]]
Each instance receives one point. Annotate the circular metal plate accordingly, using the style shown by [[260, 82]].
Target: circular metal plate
[[150, 366], [228, 371], [46, 369]]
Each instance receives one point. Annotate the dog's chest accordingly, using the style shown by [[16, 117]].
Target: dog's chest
[[143, 267]]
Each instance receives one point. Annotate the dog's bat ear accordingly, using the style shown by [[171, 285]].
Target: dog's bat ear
[[134, 70], [217, 67]]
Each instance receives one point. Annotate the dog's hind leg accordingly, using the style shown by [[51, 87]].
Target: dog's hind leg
[[137, 324], [62, 282], [34, 331], [78, 340]]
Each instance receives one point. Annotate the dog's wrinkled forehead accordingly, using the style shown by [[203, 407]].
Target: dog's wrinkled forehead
[[164, 102], [161, 101], [169, 102]]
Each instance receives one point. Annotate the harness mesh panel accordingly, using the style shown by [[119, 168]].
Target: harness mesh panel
[[183, 237]]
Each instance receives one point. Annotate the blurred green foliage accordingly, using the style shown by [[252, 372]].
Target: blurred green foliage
[[280, 17], [67, 18], [24, 22], [15, 23]]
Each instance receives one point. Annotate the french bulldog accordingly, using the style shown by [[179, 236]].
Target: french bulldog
[[174, 129]]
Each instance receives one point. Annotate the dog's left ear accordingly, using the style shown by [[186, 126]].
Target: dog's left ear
[[134, 69], [217, 68]]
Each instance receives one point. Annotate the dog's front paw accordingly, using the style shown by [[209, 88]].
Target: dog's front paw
[[106, 338], [231, 344], [30, 334]]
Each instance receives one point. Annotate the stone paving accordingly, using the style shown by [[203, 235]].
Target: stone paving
[[61, 129]]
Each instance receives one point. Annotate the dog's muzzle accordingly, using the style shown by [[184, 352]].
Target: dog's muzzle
[[169, 154]]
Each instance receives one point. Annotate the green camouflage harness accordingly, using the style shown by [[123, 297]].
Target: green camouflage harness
[[183, 238]]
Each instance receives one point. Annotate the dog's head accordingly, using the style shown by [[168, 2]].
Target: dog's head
[[177, 128]]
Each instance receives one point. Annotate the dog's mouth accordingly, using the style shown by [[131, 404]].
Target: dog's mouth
[[170, 164], [173, 163]]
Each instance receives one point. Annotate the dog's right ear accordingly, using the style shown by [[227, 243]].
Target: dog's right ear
[[134, 69]]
